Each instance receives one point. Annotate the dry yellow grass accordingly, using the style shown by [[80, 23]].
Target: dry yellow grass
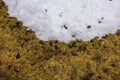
[[24, 57]]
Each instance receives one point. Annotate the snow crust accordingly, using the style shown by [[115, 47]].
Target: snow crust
[[67, 20]]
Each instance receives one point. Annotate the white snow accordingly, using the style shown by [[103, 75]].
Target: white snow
[[67, 20]]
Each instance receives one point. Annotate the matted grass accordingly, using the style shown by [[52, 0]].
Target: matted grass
[[25, 57]]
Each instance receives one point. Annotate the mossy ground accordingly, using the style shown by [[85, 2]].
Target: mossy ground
[[24, 57]]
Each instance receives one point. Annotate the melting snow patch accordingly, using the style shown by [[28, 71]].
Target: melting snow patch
[[66, 20]]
